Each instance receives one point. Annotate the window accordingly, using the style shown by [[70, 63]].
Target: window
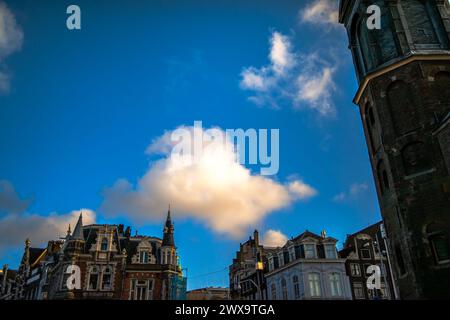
[[330, 251], [93, 278], [271, 265], [314, 284], [274, 291], [383, 179], [358, 290], [296, 287], [335, 284], [284, 289], [370, 124], [441, 248], [365, 254], [141, 290], [355, 270], [415, 158], [281, 259], [310, 251], [291, 254], [104, 245], [106, 279], [143, 257]]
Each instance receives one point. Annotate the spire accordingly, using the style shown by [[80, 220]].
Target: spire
[[168, 220], [168, 231], [69, 232], [78, 231]]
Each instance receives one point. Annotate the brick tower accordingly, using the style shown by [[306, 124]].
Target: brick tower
[[403, 71]]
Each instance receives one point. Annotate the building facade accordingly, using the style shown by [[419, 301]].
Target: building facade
[[110, 262], [246, 273], [209, 293], [361, 250], [403, 72], [307, 267]]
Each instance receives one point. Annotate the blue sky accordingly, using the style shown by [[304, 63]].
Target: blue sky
[[78, 110]]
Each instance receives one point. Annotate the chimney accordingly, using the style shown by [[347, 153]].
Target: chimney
[[256, 237]]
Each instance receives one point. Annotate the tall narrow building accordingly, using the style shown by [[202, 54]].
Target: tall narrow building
[[403, 71]]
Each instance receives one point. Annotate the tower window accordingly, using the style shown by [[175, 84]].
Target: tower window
[[383, 179], [415, 158]]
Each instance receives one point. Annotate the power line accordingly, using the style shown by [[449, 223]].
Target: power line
[[209, 273]]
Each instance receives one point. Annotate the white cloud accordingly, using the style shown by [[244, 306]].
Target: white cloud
[[280, 53], [11, 39], [308, 84], [254, 79], [301, 190], [274, 238], [215, 190], [316, 88], [15, 228], [355, 191], [323, 12]]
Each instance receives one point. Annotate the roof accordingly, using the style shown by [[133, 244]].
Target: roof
[[371, 230], [309, 234]]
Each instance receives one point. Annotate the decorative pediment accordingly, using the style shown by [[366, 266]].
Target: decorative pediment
[[363, 236]]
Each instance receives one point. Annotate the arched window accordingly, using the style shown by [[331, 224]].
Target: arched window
[[274, 291], [439, 242], [415, 158], [355, 46], [296, 287], [370, 125], [387, 46], [284, 289], [366, 43], [93, 278], [314, 284], [104, 245], [402, 108], [383, 179], [335, 284], [420, 24]]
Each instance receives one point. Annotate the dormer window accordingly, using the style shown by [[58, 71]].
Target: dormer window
[[281, 258], [330, 251], [271, 264], [291, 253], [310, 251], [143, 257], [104, 245]]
